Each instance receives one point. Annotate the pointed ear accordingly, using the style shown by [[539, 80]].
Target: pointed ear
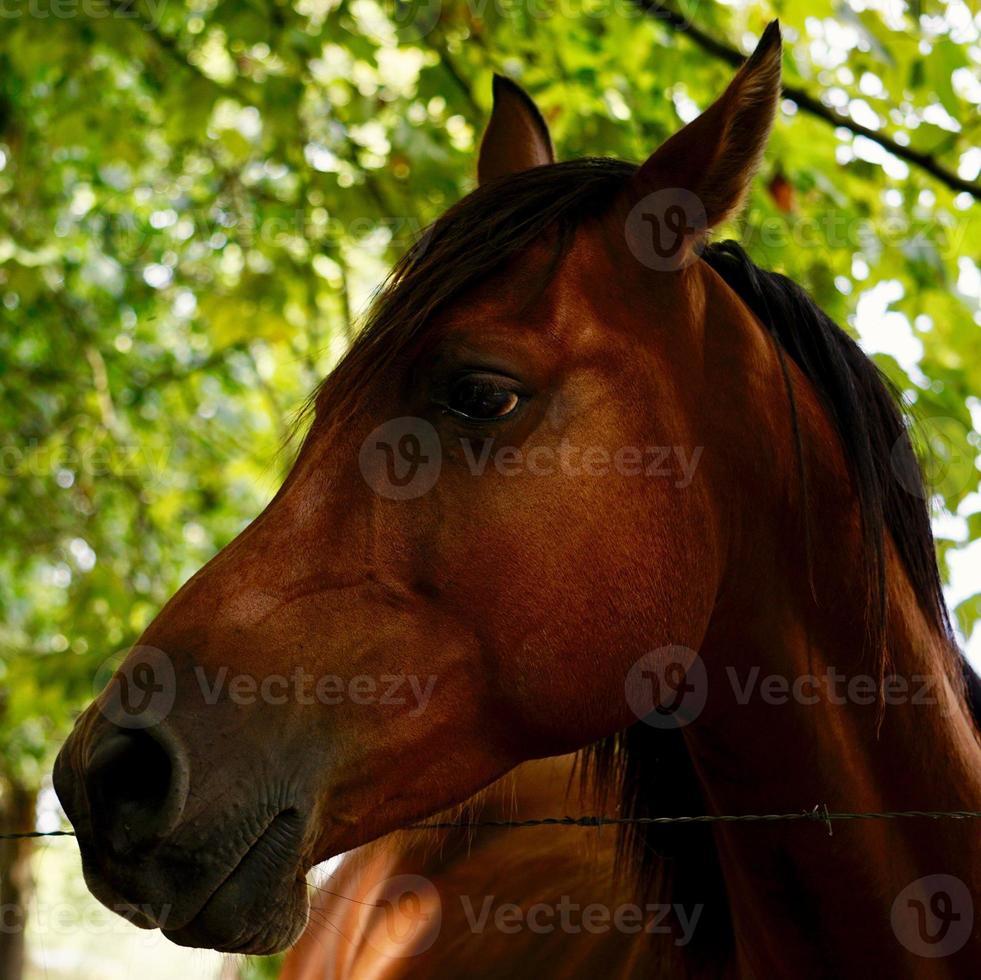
[[516, 137], [715, 156]]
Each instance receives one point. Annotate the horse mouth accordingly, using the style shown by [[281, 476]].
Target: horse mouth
[[260, 907]]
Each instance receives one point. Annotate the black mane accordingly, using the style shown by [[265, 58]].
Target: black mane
[[869, 418]]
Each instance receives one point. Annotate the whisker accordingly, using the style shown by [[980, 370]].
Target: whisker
[[347, 898], [320, 918]]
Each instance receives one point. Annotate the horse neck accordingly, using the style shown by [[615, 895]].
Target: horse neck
[[763, 744]]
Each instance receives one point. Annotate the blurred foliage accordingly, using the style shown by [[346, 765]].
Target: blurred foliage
[[197, 197], [260, 967]]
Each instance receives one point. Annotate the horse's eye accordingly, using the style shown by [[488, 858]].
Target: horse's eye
[[483, 397]]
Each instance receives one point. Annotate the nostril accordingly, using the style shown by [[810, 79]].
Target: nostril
[[131, 769], [136, 786]]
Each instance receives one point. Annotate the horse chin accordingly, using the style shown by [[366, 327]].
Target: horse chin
[[245, 916], [261, 906]]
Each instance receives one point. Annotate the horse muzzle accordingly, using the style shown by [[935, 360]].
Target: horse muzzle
[[227, 874]]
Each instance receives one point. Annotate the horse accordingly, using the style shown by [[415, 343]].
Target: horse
[[585, 483]]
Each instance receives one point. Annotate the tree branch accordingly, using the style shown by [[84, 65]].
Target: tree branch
[[808, 103], [440, 45]]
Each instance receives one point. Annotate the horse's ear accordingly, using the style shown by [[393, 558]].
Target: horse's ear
[[516, 137], [715, 156]]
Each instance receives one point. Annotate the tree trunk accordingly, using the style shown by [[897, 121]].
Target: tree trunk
[[17, 812]]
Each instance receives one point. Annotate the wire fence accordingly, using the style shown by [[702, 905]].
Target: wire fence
[[818, 814]]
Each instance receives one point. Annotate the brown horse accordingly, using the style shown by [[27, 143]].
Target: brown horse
[[573, 445]]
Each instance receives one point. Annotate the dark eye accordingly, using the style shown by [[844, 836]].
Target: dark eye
[[483, 397]]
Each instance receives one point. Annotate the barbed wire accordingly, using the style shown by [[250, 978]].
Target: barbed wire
[[818, 814], [38, 833]]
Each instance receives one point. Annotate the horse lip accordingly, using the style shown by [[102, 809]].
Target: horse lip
[[146, 915], [184, 932]]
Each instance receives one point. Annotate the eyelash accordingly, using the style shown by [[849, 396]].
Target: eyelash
[[496, 384]]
